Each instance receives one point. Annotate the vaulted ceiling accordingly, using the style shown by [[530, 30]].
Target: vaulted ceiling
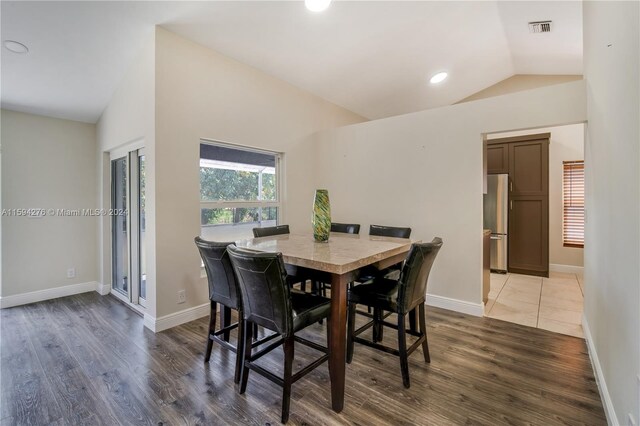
[[373, 58]]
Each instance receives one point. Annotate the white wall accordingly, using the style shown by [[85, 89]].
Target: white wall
[[612, 246], [424, 170], [566, 144], [47, 163], [203, 94], [129, 117]]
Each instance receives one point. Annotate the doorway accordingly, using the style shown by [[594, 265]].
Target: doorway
[[553, 302], [128, 255]]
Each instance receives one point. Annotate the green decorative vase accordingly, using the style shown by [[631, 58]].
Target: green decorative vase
[[321, 219]]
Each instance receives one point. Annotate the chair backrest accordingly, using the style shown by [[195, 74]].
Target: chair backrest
[[412, 284], [345, 228], [389, 231], [223, 287], [270, 230], [265, 293]]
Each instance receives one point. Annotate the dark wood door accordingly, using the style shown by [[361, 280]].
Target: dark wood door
[[527, 162], [497, 158], [528, 245], [529, 167]]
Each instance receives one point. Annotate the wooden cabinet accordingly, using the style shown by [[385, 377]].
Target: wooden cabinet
[[497, 158], [528, 168], [528, 251]]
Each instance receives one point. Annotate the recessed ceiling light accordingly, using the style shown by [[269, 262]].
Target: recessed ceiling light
[[441, 76], [317, 5], [15, 47]]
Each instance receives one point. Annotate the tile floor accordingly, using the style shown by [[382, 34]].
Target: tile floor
[[553, 303]]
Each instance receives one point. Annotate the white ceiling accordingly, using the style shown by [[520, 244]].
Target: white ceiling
[[373, 58]]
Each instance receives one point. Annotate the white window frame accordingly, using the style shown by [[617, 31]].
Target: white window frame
[[204, 204]]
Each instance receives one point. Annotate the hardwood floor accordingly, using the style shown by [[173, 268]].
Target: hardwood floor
[[87, 359]]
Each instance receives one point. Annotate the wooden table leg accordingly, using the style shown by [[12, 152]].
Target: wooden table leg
[[337, 345]]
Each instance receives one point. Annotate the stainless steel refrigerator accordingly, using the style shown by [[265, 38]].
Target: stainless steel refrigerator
[[496, 213]]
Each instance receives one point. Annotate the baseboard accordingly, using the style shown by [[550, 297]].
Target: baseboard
[[475, 309], [103, 289], [609, 410], [172, 320], [570, 269], [50, 293], [149, 322]]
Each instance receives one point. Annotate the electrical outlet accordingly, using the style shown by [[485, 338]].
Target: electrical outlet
[[182, 296], [71, 273]]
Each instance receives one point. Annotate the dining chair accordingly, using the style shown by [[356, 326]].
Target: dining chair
[[268, 231], [368, 274], [269, 302], [399, 296], [345, 228], [322, 282], [222, 290], [389, 231], [295, 274]]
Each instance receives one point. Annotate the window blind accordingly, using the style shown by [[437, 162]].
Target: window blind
[[573, 203]]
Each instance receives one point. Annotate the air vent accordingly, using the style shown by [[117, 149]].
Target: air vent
[[540, 27]]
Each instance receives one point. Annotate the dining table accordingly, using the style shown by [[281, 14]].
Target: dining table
[[339, 259]]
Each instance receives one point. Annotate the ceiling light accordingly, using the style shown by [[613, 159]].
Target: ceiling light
[[317, 5], [441, 76], [15, 47]]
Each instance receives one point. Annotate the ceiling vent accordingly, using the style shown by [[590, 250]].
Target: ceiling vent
[[540, 27]]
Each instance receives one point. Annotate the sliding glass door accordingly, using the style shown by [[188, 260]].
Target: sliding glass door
[[142, 272], [128, 226], [119, 225]]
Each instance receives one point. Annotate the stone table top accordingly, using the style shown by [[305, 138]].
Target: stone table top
[[341, 254]]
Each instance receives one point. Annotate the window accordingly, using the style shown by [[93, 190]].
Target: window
[[573, 203], [238, 191]]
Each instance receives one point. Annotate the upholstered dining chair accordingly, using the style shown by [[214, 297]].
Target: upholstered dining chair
[[399, 296], [389, 231], [322, 282], [269, 302], [368, 274], [295, 274], [223, 291], [268, 231], [345, 228]]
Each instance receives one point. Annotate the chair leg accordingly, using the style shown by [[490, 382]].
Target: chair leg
[[351, 325], [246, 355], [413, 320], [239, 348], [225, 321], [288, 370], [255, 331], [423, 330], [317, 289], [378, 328], [303, 286], [212, 329], [402, 349]]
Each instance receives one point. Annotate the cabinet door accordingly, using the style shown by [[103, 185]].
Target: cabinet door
[[529, 167], [497, 158], [529, 235]]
